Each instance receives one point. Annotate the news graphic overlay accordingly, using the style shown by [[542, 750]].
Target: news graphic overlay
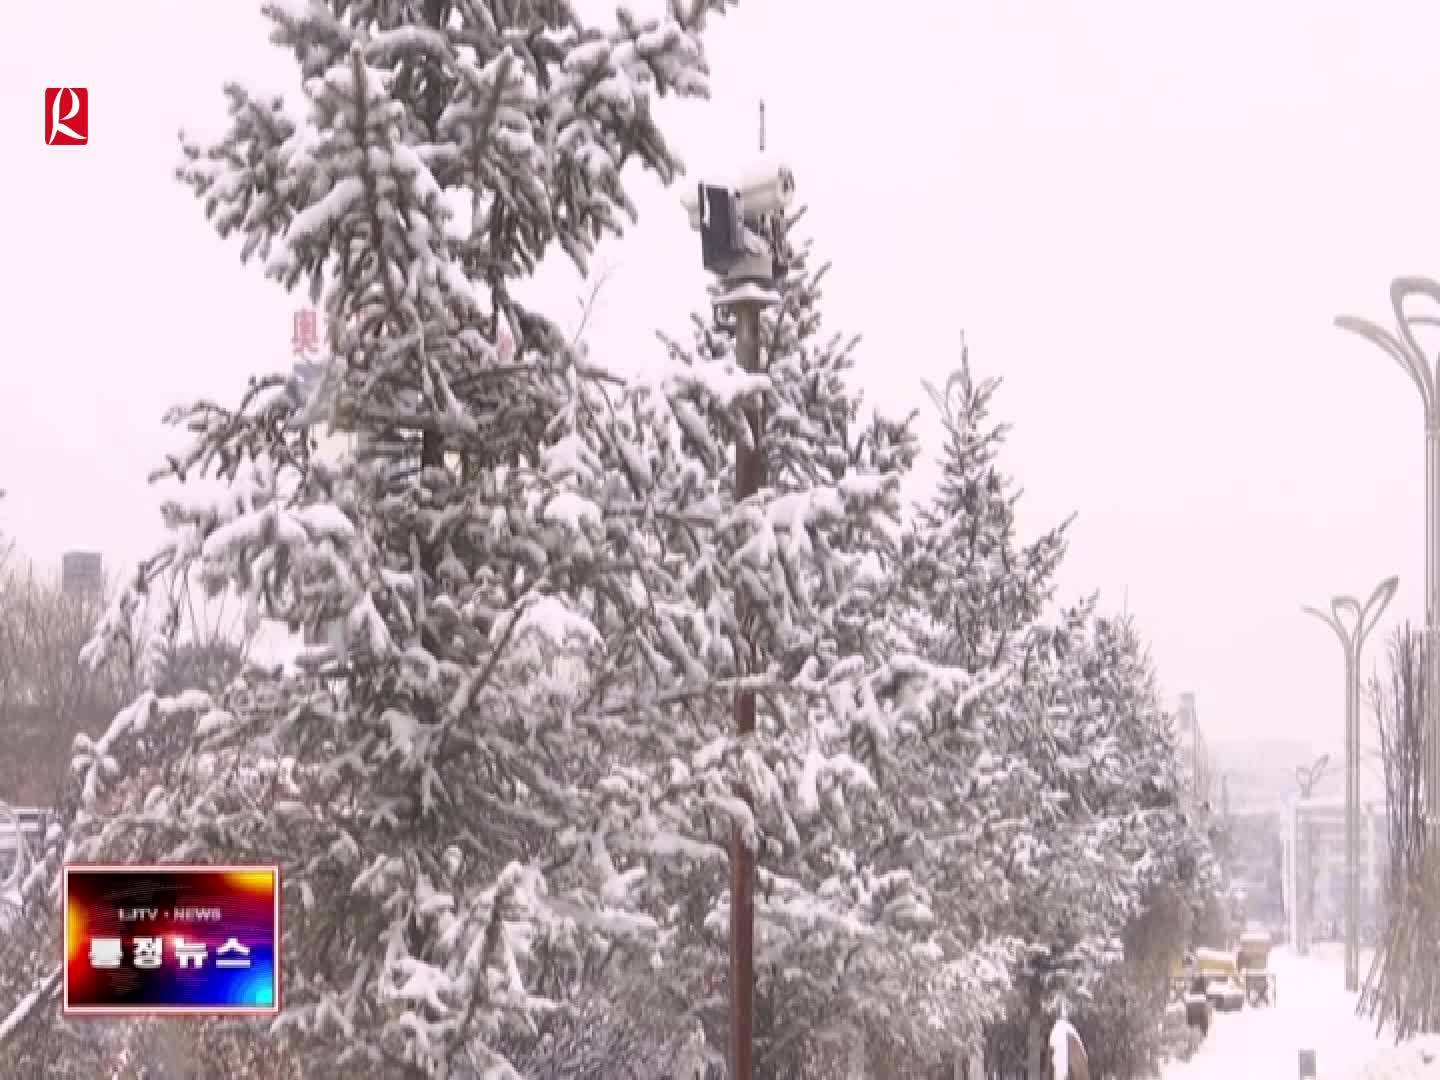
[[157, 940]]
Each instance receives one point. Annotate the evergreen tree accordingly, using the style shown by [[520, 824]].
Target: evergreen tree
[[1162, 858], [439, 863], [983, 589], [1111, 839], [832, 931], [502, 803], [967, 602], [1041, 811]]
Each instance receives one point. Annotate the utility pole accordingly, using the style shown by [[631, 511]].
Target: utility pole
[[740, 227]]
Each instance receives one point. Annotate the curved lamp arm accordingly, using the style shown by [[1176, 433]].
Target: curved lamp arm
[[1333, 622], [1376, 605], [1307, 776], [1361, 617], [1382, 338], [1367, 615], [1402, 289]]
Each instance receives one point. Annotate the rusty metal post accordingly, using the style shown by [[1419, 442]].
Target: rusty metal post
[[749, 477]]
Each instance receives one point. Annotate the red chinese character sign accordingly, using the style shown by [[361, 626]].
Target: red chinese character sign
[[305, 344], [164, 940], [305, 337], [305, 333]]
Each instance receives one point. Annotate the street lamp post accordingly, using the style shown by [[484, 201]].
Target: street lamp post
[[1363, 618], [1412, 358]]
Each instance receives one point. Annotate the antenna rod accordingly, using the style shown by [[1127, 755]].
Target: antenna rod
[[762, 125]]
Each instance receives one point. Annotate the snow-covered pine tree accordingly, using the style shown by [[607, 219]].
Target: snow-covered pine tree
[[1112, 834], [1028, 813], [1074, 907], [966, 785], [1133, 793], [440, 864], [1054, 902], [1017, 846], [984, 587], [1137, 787], [815, 551]]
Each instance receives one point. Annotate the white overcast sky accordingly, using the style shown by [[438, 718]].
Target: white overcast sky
[[1144, 216]]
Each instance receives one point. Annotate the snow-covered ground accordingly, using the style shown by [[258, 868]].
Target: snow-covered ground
[[1418, 1059], [1314, 1013]]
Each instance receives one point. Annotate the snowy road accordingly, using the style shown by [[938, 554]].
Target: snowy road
[[1314, 1013]]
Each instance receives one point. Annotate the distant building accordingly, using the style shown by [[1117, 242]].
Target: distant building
[[1257, 862], [82, 573], [1318, 826]]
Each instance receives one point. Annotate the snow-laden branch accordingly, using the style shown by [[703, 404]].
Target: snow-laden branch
[[47, 988]]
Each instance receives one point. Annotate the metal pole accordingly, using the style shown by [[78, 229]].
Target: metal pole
[[1293, 877], [749, 475], [1432, 623], [1362, 619], [1352, 783], [741, 246], [1405, 350], [1305, 898], [1352, 860]]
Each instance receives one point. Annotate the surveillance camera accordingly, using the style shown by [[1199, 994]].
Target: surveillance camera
[[735, 220], [766, 189], [763, 189]]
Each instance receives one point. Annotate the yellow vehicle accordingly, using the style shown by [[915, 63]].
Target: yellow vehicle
[[1227, 976], [1185, 976], [1219, 971], [1216, 964], [1253, 960], [1188, 999]]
